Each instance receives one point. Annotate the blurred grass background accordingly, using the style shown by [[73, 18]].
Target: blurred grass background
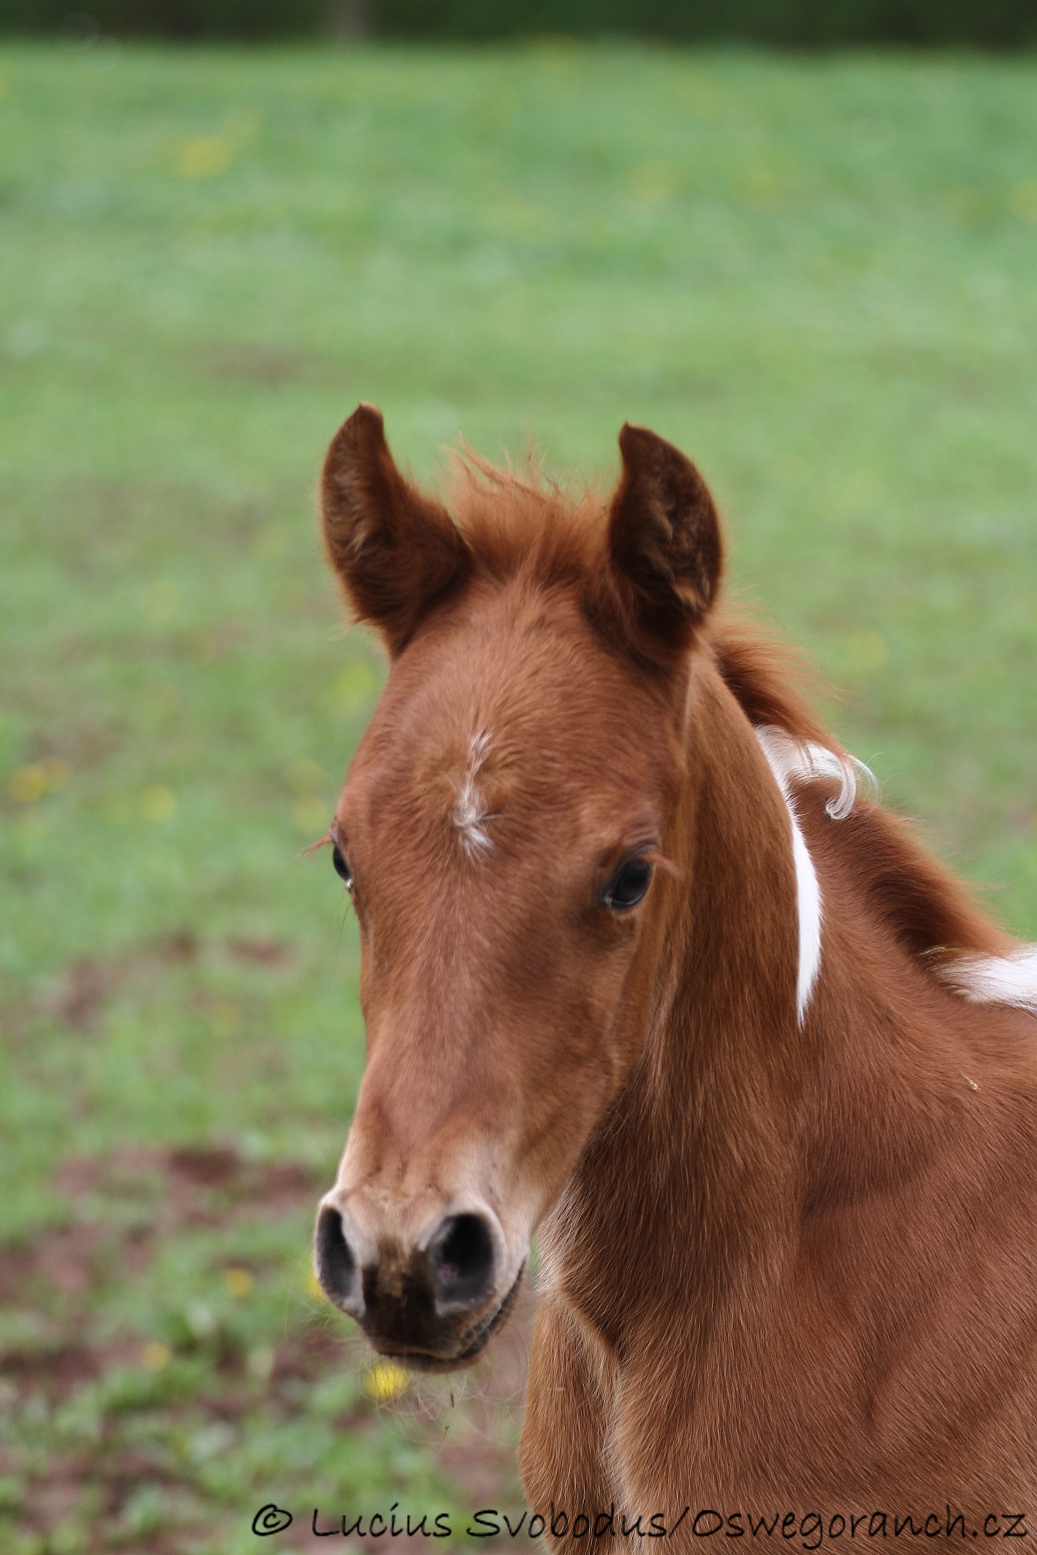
[[816, 275]]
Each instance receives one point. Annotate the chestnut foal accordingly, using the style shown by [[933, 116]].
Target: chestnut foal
[[644, 975]]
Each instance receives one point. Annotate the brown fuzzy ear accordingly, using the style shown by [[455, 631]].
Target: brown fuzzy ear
[[394, 550], [664, 543]]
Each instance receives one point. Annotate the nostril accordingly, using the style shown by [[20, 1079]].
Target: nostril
[[461, 1259], [336, 1266]]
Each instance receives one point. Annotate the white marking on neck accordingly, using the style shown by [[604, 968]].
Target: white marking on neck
[[470, 814], [995, 979], [775, 744], [1010, 979]]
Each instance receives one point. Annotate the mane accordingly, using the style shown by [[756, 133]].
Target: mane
[[522, 523], [926, 908]]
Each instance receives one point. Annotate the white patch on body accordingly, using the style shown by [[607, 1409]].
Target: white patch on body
[[470, 814], [995, 979]]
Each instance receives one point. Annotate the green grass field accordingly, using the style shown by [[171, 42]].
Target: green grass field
[[817, 276]]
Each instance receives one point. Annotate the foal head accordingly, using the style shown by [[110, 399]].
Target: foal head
[[503, 833]]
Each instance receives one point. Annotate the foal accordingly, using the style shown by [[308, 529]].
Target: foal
[[643, 974]]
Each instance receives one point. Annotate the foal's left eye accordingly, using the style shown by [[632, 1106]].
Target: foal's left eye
[[341, 867], [628, 885]]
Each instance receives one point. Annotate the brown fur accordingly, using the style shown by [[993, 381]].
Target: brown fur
[[784, 1268]]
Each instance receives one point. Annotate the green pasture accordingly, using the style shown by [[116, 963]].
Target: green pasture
[[817, 275]]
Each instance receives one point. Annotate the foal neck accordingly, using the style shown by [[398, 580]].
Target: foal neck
[[694, 1154]]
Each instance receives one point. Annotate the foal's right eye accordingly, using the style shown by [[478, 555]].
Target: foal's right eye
[[342, 869]]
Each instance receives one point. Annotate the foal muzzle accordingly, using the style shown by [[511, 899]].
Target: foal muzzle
[[433, 1304]]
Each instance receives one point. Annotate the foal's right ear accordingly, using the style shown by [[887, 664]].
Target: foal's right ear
[[394, 550], [664, 544]]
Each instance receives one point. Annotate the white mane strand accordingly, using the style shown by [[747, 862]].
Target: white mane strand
[[1010, 980]]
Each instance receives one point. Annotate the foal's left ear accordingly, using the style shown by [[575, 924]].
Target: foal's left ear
[[394, 549], [664, 542]]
